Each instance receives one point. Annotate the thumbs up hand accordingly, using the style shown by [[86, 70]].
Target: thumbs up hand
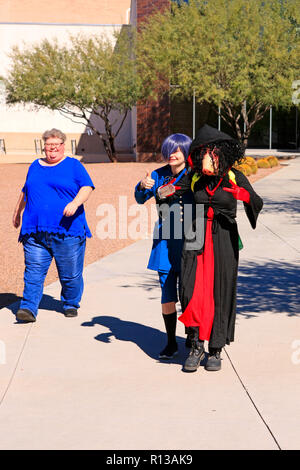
[[147, 182]]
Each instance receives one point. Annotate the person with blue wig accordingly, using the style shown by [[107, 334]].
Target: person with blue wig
[[165, 257]]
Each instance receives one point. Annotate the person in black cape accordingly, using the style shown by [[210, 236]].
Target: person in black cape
[[209, 274]]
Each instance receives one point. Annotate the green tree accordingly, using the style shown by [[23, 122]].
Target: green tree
[[229, 52], [90, 77]]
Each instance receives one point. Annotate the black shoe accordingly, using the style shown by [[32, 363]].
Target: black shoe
[[214, 359], [70, 312], [188, 342], [25, 315], [169, 352], [196, 355]]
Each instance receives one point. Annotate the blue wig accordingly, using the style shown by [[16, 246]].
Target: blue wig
[[172, 142]]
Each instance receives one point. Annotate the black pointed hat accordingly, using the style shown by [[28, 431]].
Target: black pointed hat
[[208, 135]]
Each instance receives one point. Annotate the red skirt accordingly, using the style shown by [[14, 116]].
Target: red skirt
[[201, 308]]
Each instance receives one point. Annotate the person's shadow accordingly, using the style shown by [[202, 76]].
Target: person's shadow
[[47, 303], [8, 298], [148, 339]]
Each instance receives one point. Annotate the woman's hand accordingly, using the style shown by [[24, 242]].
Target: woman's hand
[[70, 209], [147, 182], [81, 198], [16, 219]]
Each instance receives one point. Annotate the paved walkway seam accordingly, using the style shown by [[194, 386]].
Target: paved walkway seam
[[16, 366], [252, 401], [278, 236]]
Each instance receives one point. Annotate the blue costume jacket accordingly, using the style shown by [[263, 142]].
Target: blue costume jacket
[[166, 253]]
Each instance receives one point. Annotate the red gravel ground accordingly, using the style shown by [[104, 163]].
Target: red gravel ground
[[111, 182]]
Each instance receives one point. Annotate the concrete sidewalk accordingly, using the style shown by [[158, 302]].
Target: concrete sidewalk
[[94, 382]]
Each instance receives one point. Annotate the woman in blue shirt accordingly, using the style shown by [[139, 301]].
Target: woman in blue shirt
[[53, 225], [167, 245]]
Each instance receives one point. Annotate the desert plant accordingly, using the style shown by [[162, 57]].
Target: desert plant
[[254, 168], [245, 169], [273, 161], [263, 163], [252, 163], [250, 160]]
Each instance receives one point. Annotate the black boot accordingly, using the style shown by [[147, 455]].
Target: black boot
[[197, 351], [171, 349], [214, 359], [188, 342]]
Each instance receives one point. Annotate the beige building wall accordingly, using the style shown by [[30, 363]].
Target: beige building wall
[[65, 11]]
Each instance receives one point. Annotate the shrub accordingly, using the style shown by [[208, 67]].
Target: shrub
[[250, 160], [273, 161], [245, 169], [263, 163], [252, 163]]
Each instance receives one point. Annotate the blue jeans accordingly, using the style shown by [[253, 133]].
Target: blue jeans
[[68, 252]]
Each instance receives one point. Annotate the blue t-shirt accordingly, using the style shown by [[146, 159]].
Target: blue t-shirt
[[48, 189]]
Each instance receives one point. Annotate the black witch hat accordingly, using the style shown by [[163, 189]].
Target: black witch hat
[[208, 135]]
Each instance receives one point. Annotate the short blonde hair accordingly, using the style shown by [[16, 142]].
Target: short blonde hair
[[54, 133]]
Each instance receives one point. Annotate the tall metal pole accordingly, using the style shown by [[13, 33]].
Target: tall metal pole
[[194, 114], [270, 131], [219, 118]]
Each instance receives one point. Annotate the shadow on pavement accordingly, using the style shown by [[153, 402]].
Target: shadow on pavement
[[272, 287], [149, 282], [8, 298], [290, 206], [50, 303], [148, 339], [47, 303]]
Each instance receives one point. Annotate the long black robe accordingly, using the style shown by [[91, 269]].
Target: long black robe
[[225, 248]]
